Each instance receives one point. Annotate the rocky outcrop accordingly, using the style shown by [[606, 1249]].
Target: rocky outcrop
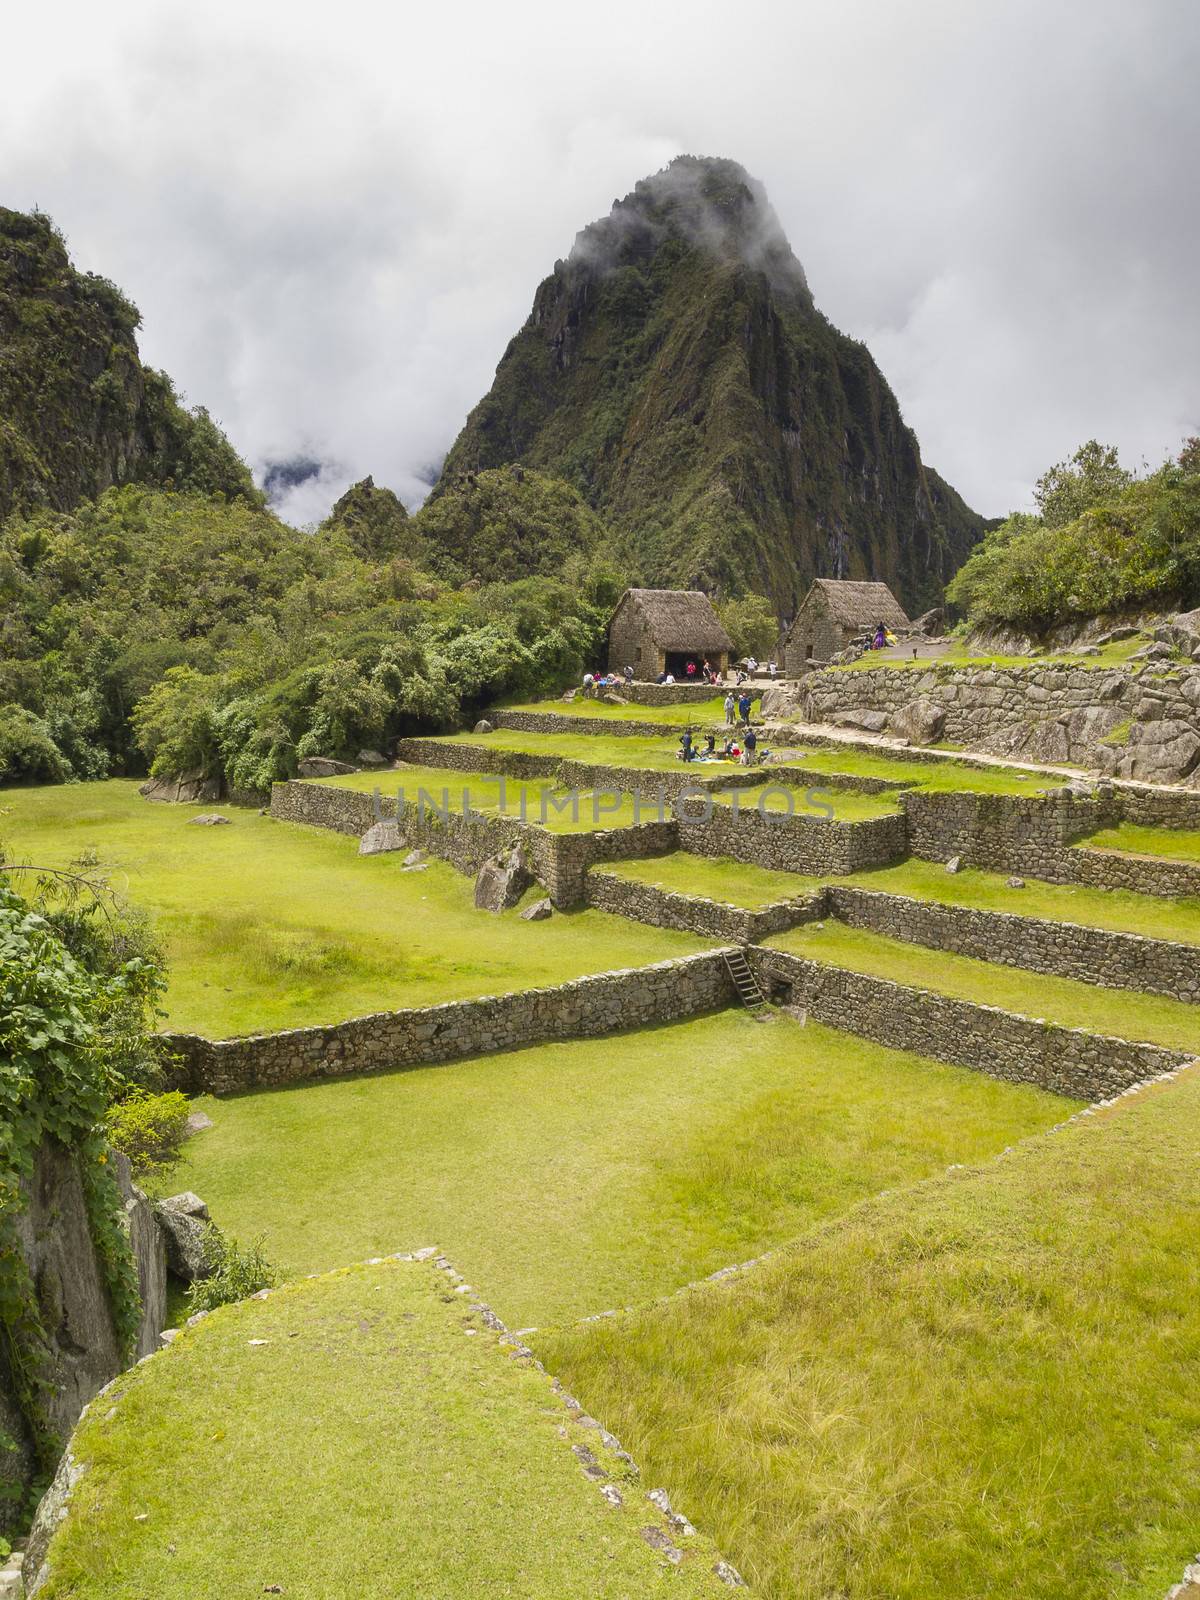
[[189, 788], [83, 1352], [381, 837], [920, 721], [503, 880], [1140, 722], [324, 767], [186, 1232]]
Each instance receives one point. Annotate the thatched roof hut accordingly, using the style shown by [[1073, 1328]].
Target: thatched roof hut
[[835, 611], [661, 630]]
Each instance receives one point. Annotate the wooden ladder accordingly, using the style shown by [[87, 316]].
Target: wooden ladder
[[745, 982]]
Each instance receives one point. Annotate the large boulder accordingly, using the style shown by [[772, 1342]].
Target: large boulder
[[371, 758], [323, 767], [864, 721], [1165, 751], [930, 624], [503, 880], [381, 837], [921, 721], [782, 702], [185, 1227], [538, 911], [189, 788], [210, 819]]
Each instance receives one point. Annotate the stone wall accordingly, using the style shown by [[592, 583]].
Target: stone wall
[[643, 902], [1035, 837], [671, 694], [481, 757], [1158, 807], [1018, 1049], [1126, 722], [565, 722], [609, 1002], [1062, 949], [812, 845]]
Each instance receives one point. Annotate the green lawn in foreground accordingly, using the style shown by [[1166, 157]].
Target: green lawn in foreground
[[569, 1178], [270, 925], [1179, 844], [986, 1387], [1065, 1001], [378, 1440]]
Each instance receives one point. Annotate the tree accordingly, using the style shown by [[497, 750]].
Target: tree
[[752, 625], [1092, 476]]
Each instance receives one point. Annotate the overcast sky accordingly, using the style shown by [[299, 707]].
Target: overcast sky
[[334, 217]]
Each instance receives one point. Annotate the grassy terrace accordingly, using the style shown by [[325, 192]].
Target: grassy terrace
[[696, 711], [569, 1178], [985, 1387], [1178, 844], [938, 775], [208, 1478], [548, 804], [751, 887], [1116, 654], [269, 925], [1065, 1001]]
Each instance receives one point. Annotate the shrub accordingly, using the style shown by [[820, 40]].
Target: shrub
[[28, 753], [237, 1273], [150, 1129]]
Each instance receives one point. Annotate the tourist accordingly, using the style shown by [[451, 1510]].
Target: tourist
[[880, 636], [691, 669], [629, 675], [751, 664], [685, 740], [729, 711], [670, 678], [710, 743], [744, 708], [748, 754], [589, 683], [773, 670]]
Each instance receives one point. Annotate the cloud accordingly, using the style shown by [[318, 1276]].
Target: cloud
[[333, 221]]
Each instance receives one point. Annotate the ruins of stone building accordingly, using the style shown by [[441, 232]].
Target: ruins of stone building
[[661, 630], [834, 613]]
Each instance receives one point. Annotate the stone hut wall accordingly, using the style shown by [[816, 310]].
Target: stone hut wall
[[815, 635], [1061, 949], [643, 902], [1018, 1049], [609, 1002]]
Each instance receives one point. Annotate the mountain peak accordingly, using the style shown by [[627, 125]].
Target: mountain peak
[[707, 202]]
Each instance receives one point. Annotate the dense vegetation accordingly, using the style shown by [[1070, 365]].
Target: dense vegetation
[[78, 410], [675, 370], [78, 996], [200, 634], [1102, 540]]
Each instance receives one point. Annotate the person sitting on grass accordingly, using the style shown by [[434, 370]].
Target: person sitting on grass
[[710, 743]]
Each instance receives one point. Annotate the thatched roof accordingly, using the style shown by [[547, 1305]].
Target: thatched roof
[[860, 605], [679, 619]]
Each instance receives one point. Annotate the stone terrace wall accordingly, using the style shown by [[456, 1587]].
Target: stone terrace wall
[[1048, 713], [466, 840], [1018, 1049], [671, 694], [472, 758], [564, 722], [1033, 836], [1157, 807], [1062, 949], [812, 845], [607, 1003], [642, 902]]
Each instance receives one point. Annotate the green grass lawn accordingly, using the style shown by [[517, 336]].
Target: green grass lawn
[[695, 711], [1178, 844], [986, 1387], [715, 878], [937, 775], [1118, 909], [957, 655], [789, 799], [658, 754], [569, 1178], [363, 1434], [1065, 1001], [270, 925]]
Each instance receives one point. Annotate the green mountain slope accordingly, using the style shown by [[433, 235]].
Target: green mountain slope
[[78, 410], [675, 369]]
